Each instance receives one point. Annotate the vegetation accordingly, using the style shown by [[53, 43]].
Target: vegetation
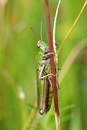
[[18, 83]]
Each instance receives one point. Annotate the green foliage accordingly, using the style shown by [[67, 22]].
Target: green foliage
[[18, 68]]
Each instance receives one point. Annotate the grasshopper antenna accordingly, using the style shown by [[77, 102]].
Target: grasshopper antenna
[[35, 33], [41, 31]]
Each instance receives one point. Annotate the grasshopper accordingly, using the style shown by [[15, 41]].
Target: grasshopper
[[44, 77]]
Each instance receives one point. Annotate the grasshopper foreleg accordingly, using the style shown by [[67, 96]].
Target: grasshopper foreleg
[[48, 54]]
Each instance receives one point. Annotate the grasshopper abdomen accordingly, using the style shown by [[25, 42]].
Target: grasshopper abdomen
[[47, 96]]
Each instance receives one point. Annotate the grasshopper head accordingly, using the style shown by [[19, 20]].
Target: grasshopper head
[[41, 46]]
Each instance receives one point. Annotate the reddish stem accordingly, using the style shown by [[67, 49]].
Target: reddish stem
[[51, 57]]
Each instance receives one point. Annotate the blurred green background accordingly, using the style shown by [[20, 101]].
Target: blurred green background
[[18, 85]]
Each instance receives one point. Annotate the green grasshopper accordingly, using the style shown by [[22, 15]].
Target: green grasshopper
[[44, 77]]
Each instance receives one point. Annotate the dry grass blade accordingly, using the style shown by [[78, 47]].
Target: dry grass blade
[[54, 45], [57, 117]]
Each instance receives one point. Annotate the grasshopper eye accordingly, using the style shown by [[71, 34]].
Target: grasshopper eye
[[38, 45]]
